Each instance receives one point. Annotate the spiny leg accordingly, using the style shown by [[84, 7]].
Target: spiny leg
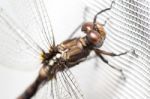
[[98, 53], [108, 53], [95, 17]]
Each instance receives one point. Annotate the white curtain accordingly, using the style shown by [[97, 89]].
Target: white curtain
[[127, 29]]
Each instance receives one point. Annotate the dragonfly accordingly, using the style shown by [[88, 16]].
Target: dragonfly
[[41, 51]]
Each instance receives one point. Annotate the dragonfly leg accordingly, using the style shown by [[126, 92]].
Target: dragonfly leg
[[107, 62], [110, 53], [104, 10]]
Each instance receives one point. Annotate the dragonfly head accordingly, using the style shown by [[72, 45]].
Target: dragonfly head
[[94, 32]]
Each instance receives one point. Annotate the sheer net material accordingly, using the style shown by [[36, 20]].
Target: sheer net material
[[127, 29]]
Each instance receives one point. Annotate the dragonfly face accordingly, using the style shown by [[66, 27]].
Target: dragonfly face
[[95, 33]]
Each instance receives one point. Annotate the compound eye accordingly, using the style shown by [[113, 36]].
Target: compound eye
[[87, 27], [93, 37]]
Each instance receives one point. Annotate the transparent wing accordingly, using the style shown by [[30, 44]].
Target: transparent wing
[[25, 31], [63, 87]]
